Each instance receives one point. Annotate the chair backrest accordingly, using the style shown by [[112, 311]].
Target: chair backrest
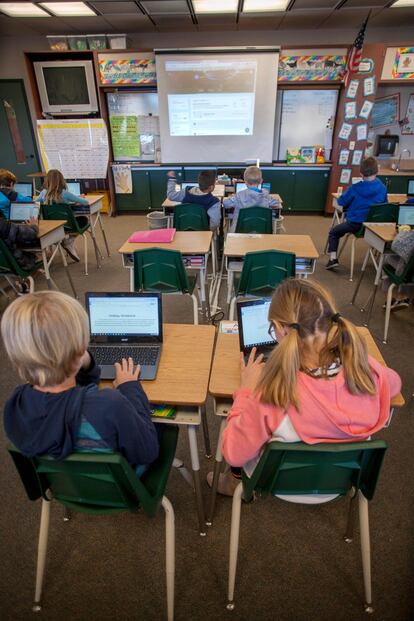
[[406, 276], [161, 270], [263, 271], [8, 264], [383, 212], [254, 220], [190, 217], [298, 468], [61, 211], [98, 483]]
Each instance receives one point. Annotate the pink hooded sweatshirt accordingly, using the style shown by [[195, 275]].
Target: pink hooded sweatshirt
[[330, 413]]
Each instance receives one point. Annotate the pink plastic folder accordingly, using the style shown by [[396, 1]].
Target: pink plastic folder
[[157, 236]]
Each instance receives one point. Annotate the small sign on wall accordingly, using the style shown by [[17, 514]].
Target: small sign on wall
[[126, 69]]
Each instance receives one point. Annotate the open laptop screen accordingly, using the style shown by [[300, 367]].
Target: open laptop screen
[[74, 187], [20, 212], [410, 187], [406, 215], [119, 316], [25, 189], [253, 323]]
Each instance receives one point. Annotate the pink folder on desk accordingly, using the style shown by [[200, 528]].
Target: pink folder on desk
[[157, 236]]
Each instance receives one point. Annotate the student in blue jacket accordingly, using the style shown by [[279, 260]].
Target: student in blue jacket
[[59, 408], [8, 193], [356, 202]]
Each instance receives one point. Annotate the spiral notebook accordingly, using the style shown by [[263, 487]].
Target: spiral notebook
[[156, 236]]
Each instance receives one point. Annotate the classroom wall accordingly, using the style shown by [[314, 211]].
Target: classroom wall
[[406, 141]]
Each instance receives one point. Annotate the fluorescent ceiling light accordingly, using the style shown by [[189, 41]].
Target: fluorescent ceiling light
[[215, 6], [69, 9], [261, 6], [22, 9], [402, 3]]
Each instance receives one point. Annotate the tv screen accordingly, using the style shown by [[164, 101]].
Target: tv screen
[[66, 86]]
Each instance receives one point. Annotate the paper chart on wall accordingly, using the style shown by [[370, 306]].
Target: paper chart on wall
[[350, 110], [361, 132], [352, 89], [77, 147], [366, 109], [343, 157], [345, 176], [345, 132]]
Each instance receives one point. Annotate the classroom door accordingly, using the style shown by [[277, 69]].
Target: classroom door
[[18, 146]]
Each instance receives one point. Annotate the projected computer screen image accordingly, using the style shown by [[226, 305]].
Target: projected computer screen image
[[211, 97], [118, 316]]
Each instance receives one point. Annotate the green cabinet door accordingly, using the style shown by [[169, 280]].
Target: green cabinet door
[[191, 172], [140, 199], [158, 183], [398, 184], [310, 190], [282, 182]]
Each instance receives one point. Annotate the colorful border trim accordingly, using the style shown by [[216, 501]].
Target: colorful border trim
[[311, 68], [402, 76], [127, 71]]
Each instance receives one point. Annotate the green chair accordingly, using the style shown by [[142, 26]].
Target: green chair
[[294, 469], [162, 271], [61, 211], [9, 267], [190, 217], [254, 220], [383, 212], [405, 278], [262, 272], [100, 484]]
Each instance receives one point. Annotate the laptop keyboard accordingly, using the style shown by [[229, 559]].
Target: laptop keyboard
[[109, 355]]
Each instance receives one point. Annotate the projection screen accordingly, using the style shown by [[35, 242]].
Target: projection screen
[[217, 105]]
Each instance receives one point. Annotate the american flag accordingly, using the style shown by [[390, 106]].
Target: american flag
[[355, 54]]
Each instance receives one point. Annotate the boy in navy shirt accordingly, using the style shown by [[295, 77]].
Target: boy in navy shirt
[[356, 202], [199, 196]]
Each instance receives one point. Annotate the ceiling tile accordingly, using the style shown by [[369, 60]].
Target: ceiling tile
[[51, 26], [316, 4], [365, 4], [216, 20], [130, 23], [115, 8], [346, 18], [252, 22], [304, 19], [11, 27], [175, 21], [162, 7], [393, 18]]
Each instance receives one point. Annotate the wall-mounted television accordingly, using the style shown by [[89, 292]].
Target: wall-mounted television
[[66, 87]]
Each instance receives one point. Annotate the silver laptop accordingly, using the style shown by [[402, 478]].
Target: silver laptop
[[20, 212], [406, 215], [410, 188], [124, 325], [74, 187], [254, 327], [25, 189]]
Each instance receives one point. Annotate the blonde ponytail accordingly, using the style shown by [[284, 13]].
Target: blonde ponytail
[[278, 382]]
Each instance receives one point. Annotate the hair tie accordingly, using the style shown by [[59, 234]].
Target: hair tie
[[295, 326], [335, 317]]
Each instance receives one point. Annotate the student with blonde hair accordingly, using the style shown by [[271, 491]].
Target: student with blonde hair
[[252, 196], [55, 190], [59, 408], [319, 384]]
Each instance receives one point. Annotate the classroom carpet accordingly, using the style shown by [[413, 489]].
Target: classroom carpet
[[293, 563]]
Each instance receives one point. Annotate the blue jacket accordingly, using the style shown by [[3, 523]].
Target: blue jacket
[[8, 196], [40, 423], [194, 195], [66, 197], [359, 197]]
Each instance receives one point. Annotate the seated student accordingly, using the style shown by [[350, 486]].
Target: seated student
[[199, 196], [55, 191], [7, 192], [59, 408], [356, 202], [403, 247], [16, 238], [319, 384], [251, 197]]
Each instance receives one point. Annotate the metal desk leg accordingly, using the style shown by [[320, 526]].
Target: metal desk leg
[[230, 280], [95, 245], [206, 434], [101, 226], [50, 282], [217, 468], [361, 276], [195, 464], [374, 292], [205, 303], [131, 278], [65, 263]]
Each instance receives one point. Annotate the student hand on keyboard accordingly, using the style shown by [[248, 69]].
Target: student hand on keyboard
[[124, 372], [251, 372]]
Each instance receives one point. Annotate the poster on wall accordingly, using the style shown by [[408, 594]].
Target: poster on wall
[[125, 137], [403, 68], [123, 68], [122, 178], [311, 68], [407, 124], [386, 111]]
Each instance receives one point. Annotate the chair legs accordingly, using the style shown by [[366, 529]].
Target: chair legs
[[195, 308], [41, 553], [234, 543], [232, 308], [169, 555], [349, 534], [365, 550], [388, 311], [351, 274], [85, 252]]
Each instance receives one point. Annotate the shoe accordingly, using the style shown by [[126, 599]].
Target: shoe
[[69, 245], [397, 304], [22, 286], [331, 264], [227, 483]]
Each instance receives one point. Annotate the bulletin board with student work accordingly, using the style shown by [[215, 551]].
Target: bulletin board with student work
[[134, 125]]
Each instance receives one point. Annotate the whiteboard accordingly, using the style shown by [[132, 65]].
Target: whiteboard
[[304, 118]]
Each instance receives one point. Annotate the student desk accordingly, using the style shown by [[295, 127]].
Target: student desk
[[52, 233], [182, 380], [239, 244], [225, 379], [379, 237], [338, 213], [193, 245]]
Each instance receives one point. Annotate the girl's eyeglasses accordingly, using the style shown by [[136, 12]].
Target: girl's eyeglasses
[[272, 332]]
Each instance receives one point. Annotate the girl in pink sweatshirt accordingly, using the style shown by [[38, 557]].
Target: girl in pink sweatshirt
[[319, 385]]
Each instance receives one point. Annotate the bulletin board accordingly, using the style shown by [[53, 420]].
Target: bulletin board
[[386, 111]]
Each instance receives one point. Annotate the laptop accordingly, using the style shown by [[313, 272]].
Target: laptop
[[240, 185], [410, 188], [254, 326], [20, 212], [406, 215], [185, 186], [74, 187], [124, 325], [25, 189]]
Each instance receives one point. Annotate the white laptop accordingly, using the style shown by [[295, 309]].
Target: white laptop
[[406, 215], [124, 325], [254, 327], [25, 189], [74, 187], [20, 212]]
